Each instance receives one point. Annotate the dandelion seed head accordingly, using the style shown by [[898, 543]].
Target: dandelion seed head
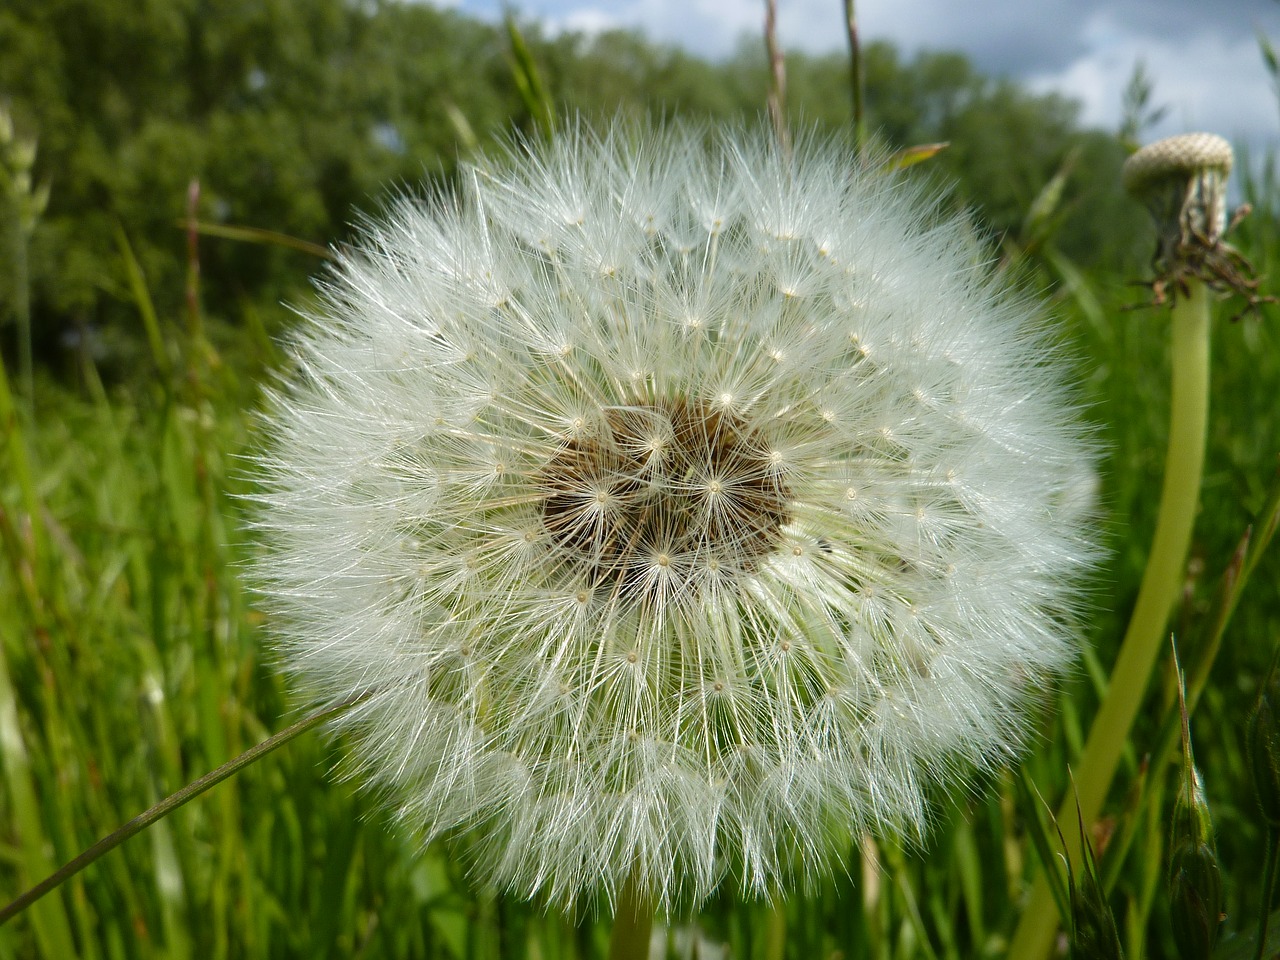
[[688, 509]]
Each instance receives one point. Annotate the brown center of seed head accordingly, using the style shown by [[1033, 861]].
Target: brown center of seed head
[[677, 484]]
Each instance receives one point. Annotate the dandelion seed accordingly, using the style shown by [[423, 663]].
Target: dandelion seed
[[687, 569]]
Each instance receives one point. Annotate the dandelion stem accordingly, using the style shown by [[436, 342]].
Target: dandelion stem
[[632, 923], [1161, 584], [775, 943], [170, 804]]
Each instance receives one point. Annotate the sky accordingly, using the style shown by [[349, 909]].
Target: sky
[[1201, 55]]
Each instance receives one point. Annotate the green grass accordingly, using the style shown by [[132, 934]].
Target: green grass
[[133, 660]]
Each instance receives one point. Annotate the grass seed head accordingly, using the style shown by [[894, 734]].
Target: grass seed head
[[1195, 877]]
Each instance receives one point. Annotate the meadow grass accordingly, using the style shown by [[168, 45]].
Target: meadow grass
[[132, 660]]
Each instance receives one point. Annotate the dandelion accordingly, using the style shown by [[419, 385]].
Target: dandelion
[[689, 508]]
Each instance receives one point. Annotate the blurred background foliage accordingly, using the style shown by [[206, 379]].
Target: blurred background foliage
[[299, 117]]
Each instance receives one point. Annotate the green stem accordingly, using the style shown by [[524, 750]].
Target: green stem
[[1162, 583], [170, 804], [775, 942], [632, 923]]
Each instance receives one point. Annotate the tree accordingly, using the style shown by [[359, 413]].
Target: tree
[[299, 115]]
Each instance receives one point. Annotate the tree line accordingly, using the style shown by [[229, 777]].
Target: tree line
[[299, 116]]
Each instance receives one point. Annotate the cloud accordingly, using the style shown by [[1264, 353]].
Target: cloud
[[707, 27], [1209, 80], [1001, 36], [588, 20], [1202, 56]]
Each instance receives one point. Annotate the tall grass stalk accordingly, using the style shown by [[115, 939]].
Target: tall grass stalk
[[159, 810], [857, 77]]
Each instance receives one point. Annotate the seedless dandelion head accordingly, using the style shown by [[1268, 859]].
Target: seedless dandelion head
[[688, 506]]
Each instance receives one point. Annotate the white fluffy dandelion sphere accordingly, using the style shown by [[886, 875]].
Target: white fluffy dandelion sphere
[[687, 508]]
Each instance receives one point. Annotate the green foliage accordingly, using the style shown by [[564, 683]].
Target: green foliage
[[1139, 113], [293, 116], [297, 116]]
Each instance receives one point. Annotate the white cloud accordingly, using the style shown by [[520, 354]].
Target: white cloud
[[588, 20], [1202, 57], [707, 27], [1207, 80]]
